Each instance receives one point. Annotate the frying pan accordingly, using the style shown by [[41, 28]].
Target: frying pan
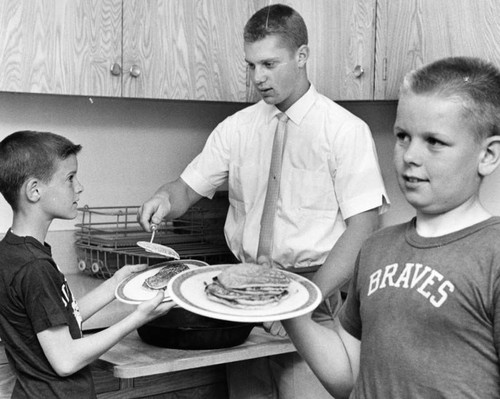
[[181, 329]]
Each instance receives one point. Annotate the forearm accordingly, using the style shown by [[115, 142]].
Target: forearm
[[339, 265], [67, 355], [180, 196], [96, 299], [325, 353], [74, 354], [105, 292]]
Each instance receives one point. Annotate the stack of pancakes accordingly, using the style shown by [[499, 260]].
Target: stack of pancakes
[[248, 286]]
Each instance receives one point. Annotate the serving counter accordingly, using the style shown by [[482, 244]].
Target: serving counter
[[135, 369], [132, 358]]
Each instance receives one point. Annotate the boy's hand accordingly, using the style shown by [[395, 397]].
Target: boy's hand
[[275, 328], [154, 307], [127, 270]]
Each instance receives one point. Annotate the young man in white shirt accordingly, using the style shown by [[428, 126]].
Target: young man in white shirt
[[330, 194]]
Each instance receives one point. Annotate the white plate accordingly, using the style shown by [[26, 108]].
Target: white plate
[[187, 289], [132, 291]]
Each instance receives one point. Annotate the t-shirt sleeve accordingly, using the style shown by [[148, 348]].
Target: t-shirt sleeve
[[42, 288], [359, 185]]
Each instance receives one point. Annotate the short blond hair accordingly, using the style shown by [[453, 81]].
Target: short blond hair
[[473, 81]]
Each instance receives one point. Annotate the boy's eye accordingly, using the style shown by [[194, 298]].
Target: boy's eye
[[270, 64], [402, 137], [434, 142]]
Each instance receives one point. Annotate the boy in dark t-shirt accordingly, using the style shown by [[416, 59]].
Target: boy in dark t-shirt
[[40, 321], [422, 316]]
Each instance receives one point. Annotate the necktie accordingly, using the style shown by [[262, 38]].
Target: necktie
[[273, 187]]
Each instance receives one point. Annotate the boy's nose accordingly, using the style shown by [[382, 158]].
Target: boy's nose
[[78, 187], [412, 154]]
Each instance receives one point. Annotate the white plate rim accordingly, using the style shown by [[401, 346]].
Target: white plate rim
[[119, 290], [236, 314]]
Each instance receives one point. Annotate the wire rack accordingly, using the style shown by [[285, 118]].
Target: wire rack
[[106, 239]]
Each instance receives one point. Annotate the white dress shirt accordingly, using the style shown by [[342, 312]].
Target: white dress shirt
[[330, 172]]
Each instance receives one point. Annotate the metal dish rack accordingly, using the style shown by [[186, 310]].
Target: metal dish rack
[[106, 239]]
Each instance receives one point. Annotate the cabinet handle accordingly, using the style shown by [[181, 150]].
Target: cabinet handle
[[358, 71], [135, 71], [116, 69]]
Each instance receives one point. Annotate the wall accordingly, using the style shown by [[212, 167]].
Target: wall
[[130, 147]]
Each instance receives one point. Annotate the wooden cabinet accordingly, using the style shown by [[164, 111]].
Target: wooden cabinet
[[361, 49], [169, 49], [60, 46], [185, 49], [341, 42], [413, 33], [206, 382], [193, 49], [172, 49]]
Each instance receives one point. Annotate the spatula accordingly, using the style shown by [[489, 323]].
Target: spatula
[[157, 248]]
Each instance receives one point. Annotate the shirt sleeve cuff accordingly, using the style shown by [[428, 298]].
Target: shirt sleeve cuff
[[365, 203], [194, 180]]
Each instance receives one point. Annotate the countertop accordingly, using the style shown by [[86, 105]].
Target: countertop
[[132, 358]]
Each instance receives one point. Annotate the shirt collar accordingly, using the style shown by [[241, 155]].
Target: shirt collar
[[14, 239], [300, 108]]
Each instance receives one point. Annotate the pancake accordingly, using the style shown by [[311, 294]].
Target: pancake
[[248, 286], [247, 275], [159, 281], [242, 303]]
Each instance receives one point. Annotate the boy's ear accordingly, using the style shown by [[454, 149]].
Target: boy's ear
[[490, 156], [32, 190]]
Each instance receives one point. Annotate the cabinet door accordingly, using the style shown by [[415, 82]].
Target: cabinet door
[[412, 33], [185, 49], [341, 42], [60, 46]]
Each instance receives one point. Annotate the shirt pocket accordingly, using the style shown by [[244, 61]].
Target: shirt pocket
[[243, 186], [311, 191]]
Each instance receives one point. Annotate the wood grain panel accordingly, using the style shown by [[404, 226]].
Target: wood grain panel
[[207, 382], [60, 46], [341, 36], [186, 49], [415, 32]]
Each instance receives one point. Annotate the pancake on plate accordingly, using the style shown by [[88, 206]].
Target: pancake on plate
[[159, 280], [248, 286]]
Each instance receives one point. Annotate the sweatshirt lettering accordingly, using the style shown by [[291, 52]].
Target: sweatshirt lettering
[[426, 281]]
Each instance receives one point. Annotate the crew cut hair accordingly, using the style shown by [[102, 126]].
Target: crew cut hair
[[30, 154], [473, 81], [280, 20]]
